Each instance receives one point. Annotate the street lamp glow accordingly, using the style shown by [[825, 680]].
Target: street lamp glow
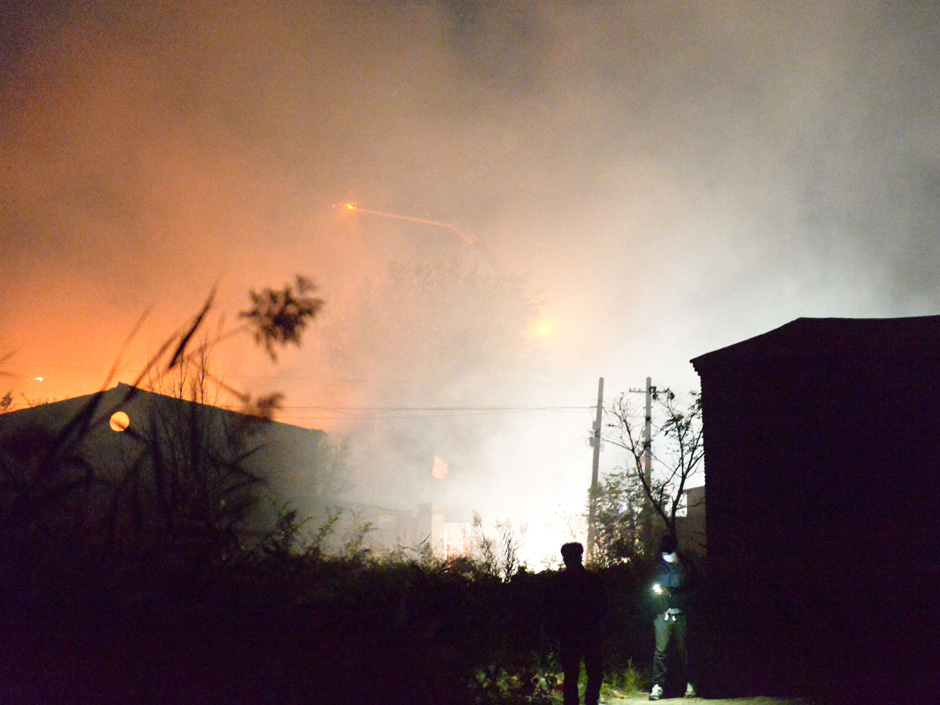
[[467, 237], [544, 328]]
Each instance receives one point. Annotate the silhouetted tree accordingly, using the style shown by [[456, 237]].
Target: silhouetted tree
[[677, 452], [437, 321], [618, 519], [424, 338]]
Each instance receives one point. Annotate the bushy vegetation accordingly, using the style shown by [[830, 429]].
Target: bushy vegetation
[[189, 611], [278, 623], [286, 625]]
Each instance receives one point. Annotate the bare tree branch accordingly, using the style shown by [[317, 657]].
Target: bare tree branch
[[676, 445]]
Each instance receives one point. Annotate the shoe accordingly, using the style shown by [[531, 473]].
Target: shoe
[[689, 690], [656, 693]]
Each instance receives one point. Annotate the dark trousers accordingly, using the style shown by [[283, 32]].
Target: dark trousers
[[670, 629], [574, 649]]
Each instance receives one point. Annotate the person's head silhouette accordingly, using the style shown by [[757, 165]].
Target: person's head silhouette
[[571, 554]]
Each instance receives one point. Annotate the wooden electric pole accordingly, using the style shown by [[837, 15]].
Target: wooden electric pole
[[596, 442], [647, 511]]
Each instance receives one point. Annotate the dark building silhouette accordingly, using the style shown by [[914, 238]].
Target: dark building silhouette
[[155, 448], [277, 444], [822, 442], [691, 527], [128, 435]]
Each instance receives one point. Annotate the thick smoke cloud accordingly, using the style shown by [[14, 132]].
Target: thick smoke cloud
[[670, 177]]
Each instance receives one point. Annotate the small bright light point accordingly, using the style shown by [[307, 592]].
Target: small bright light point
[[38, 379], [349, 206], [544, 328]]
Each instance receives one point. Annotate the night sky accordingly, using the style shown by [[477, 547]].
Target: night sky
[[667, 178]]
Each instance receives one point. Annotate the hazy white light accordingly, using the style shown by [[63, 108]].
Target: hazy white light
[[440, 469]]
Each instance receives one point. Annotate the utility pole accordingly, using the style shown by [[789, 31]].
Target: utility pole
[[647, 459], [596, 443], [648, 434]]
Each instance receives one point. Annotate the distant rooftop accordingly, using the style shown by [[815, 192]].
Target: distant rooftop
[[860, 338]]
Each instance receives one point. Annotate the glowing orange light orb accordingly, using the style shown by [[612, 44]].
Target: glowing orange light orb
[[120, 421]]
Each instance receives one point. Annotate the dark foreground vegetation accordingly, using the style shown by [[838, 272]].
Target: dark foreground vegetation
[[165, 577], [153, 569], [272, 626]]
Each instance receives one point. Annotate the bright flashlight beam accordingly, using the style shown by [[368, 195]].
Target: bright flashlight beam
[[466, 237]]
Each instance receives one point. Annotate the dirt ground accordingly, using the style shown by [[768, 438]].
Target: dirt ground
[[644, 698]]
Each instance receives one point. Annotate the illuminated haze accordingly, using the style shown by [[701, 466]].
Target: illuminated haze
[[668, 178]]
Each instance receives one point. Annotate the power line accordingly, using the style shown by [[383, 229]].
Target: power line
[[415, 411], [396, 413], [298, 378]]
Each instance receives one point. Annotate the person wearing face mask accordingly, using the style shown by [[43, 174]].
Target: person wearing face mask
[[670, 592]]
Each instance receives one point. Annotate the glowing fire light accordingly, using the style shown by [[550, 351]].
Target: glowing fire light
[[439, 470]]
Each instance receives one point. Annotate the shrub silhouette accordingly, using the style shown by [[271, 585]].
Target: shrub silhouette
[[134, 584]]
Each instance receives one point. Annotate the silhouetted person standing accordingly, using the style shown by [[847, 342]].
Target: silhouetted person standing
[[578, 606], [670, 591]]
